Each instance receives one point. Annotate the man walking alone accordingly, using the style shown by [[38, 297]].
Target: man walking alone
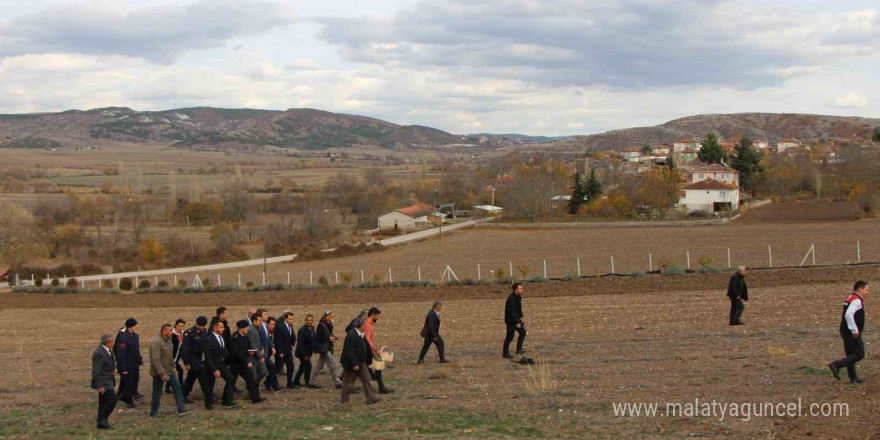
[[431, 334], [738, 292], [852, 325], [513, 319]]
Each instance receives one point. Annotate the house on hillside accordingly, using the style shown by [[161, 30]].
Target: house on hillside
[[716, 172], [686, 155], [660, 150], [710, 196], [406, 218], [631, 153], [684, 144], [785, 144]]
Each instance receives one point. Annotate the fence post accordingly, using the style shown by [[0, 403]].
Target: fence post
[[612, 264], [650, 263], [264, 278], [218, 280], [689, 259], [311, 280], [814, 253], [362, 277], [288, 278], [510, 267], [336, 274], [859, 251], [420, 273], [239, 280], [156, 281], [175, 280], [770, 253], [389, 276], [83, 281], [545, 268], [479, 275], [579, 267], [728, 259]]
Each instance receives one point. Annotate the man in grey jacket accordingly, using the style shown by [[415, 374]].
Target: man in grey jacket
[[163, 371], [256, 347], [104, 380]]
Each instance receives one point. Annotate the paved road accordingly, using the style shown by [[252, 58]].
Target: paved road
[[282, 259]]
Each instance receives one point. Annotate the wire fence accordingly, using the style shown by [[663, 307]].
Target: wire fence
[[372, 268]]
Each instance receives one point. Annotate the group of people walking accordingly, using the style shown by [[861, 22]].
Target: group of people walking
[[260, 348], [257, 349]]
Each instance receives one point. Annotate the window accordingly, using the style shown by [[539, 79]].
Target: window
[[723, 194], [700, 176], [725, 176]]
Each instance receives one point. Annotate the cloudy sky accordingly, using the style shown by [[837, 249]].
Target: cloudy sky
[[551, 67]]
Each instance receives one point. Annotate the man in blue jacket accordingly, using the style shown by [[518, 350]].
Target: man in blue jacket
[[305, 348], [285, 339], [128, 362]]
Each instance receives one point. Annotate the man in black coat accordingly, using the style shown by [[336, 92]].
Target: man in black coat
[[176, 342], [222, 316], [216, 360], [128, 361], [513, 319], [284, 340], [431, 334], [192, 352], [104, 380], [355, 356], [351, 326], [738, 292], [305, 348], [242, 361], [324, 340], [852, 326]]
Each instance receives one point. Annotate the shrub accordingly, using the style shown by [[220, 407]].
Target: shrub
[[523, 271], [107, 283], [249, 284], [206, 281], [162, 283], [38, 282], [569, 277], [706, 260], [323, 281], [144, 284], [181, 283], [708, 269], [673, 271], [347, 277], [539, 279], [500, 274], [71, 282], [56, 282], [126, 284]]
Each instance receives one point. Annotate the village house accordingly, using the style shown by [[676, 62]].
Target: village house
[[710, 196], [407, 218], [660, 150], [785, 144], [685, 144], [716, 172], [631, 153]]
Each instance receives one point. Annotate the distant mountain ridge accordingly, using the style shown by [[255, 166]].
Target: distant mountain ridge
[[517, 137], [771, 127], [217, 127]]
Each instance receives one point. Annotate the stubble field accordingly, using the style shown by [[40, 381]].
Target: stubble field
[[636, 342]]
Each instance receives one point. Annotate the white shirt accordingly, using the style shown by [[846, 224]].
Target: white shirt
[[854, 306], [360, 333], [220, 340], [108, 350]]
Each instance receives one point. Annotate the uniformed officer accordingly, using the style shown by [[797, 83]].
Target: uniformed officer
[[192, 352], [128, 362]]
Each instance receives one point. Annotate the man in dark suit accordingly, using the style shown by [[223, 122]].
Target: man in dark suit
[[176, 342], [431, 334], [285, 339], [513, 319], [222, 316], [104, 380], [266, 331], [738, 292], [305, 348], [216, 360], [324, 340], [242, 360], [128, 361], [355, 356]]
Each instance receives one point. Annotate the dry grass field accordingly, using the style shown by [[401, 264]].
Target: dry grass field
[[601, 343], [496, 249]]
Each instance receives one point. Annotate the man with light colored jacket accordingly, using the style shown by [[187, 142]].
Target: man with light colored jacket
[[163, 371]]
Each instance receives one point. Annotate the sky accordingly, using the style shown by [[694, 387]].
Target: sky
[[540, 67]]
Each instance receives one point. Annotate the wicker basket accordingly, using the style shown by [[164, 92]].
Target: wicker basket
[[387, 356], [378, 363]]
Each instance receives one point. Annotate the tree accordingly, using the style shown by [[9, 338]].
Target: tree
[[592, 188], [747, 160], [529, 198], [711, 151], [21, 240], [238, 203], [660, 189], [646, 149], [151, 250], [578, 194], [876, 135], [201, 213]]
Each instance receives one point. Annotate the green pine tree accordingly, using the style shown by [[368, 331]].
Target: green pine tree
[[747, 160], [593, 188], [711, 151], [577, 194]]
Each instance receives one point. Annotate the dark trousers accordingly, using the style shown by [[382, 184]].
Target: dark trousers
[[305, 367], [250, 381], [228, 387], [348, 378], [128, 385], [272, 378], [508, 338], [196, 373], [736, 310], [427, 345], [855, 351], [106, 404], [286, 363]]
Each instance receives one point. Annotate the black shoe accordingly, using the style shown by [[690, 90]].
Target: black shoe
[[296, 385], [261, 399], [507, 356], [188, 399], [185, 412], [385, 391], [154, 415], [278, 390], [445, 361], [138, 396], [313, 386], [290, 386], [520, 352], [104, 425], [339, 387], [130, 405], [169, 391], [231, 405], [834, 370], [856, 380], [209, 407]]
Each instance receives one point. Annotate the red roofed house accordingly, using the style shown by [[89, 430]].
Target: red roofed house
[[710, 196], [785, 144], [406, 218], [503, 181], [717, 172]]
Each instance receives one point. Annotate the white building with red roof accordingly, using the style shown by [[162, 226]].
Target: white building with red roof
[[686, 144], [710, 196]]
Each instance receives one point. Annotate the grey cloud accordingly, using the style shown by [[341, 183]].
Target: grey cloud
[[618, 44], [158, 33]]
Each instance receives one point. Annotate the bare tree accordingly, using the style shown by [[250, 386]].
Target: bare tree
[[21, 240]]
